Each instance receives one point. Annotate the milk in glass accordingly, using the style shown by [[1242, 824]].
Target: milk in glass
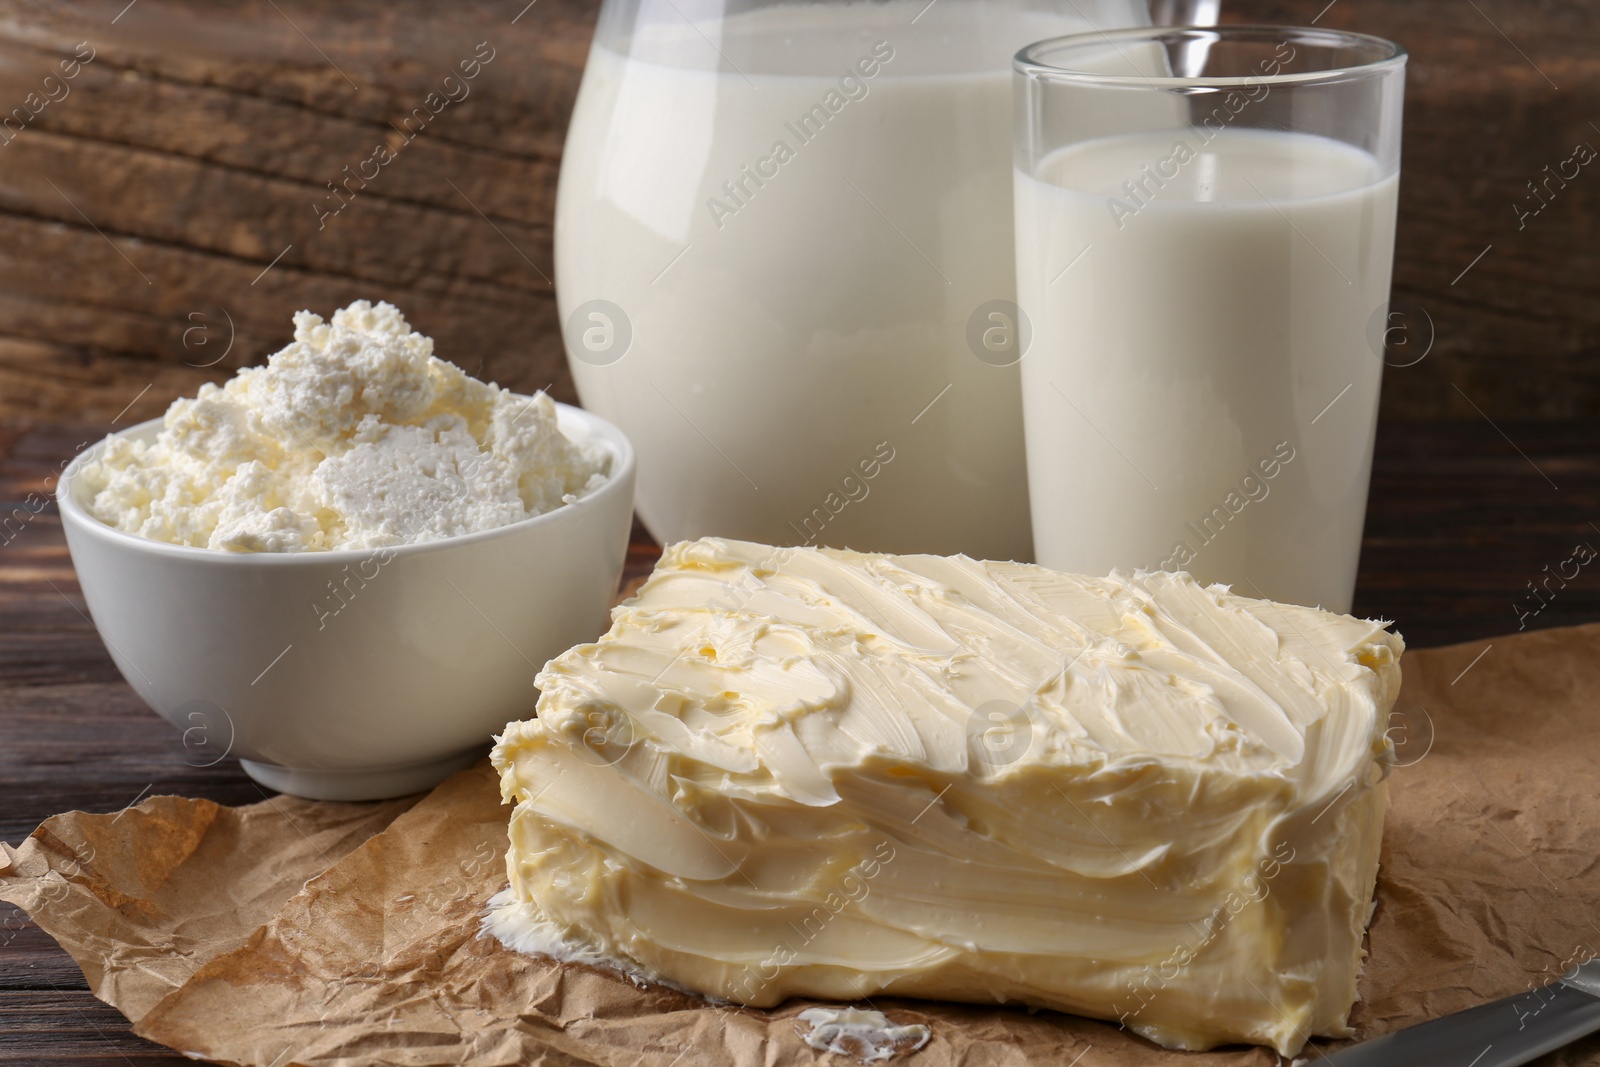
[[1200, 393]]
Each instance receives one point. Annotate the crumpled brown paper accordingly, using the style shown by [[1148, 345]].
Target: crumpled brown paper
[[142, 897], [192, 919]]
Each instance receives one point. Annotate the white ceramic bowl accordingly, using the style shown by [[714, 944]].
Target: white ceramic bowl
[[354, 675]]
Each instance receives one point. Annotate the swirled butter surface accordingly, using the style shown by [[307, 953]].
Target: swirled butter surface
[[809, 772]]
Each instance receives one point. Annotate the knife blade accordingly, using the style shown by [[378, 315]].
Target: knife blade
[[1503, 1033]]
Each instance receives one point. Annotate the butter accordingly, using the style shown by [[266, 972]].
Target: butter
[[820, 773], [868, 1036]]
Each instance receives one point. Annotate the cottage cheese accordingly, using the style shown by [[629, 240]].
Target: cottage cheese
[[355, 436]]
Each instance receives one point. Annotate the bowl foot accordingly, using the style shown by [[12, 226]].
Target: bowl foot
[[359, 785]]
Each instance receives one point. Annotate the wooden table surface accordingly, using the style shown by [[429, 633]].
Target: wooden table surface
[[1463, 517]]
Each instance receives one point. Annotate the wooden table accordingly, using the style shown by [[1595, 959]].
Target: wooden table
[[139, 217], [1463, 517]]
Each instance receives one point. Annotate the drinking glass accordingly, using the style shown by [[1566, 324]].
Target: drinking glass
[[1204, 236]]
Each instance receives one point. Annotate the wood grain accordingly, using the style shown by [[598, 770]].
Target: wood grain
[[139, 217], [1460, 520], [199, 142], [138, 214], [74, 735], [1495, 91]]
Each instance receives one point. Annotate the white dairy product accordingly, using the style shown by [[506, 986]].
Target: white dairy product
[[867, 1036], [354, 436], [804, 772], [798, 246], [1215, 330]]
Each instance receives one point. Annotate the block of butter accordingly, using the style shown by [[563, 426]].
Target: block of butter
[[808, 772]]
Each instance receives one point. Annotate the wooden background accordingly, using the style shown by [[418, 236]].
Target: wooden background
[[137, 214], [174, 191]]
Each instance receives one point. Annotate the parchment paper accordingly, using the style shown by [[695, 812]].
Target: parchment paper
[[192, 918]]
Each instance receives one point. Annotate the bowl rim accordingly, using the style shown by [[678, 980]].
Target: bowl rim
[[600, 431]]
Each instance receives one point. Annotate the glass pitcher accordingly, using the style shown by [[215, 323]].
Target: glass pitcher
[[784, 263]]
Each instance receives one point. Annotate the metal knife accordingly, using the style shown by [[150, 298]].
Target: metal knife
[[1504, 1033]]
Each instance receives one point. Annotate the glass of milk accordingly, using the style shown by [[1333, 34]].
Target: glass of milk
[[1204, 235], [780, 228]]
